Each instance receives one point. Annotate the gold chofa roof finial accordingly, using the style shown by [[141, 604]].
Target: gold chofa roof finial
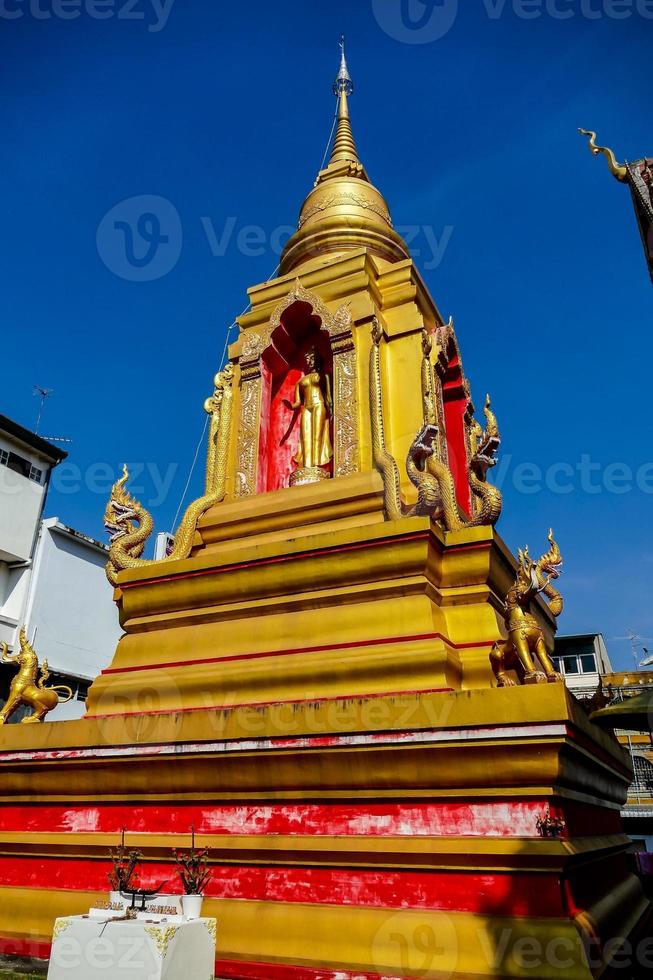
[[344, 146], [617, 170]]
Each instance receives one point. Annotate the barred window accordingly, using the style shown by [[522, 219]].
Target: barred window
[[643, 774]]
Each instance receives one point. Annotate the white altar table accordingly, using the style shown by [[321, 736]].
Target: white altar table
[[90, 949]]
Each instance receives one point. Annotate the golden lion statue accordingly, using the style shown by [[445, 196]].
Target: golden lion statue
[[524, 651], [25, 689]]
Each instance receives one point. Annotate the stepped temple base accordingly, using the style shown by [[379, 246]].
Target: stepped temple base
[[390, 836]]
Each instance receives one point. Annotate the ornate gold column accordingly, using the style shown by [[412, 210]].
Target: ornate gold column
[[345, 423], [250, 415]]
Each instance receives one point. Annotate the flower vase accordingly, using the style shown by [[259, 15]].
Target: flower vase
[[192, 906]]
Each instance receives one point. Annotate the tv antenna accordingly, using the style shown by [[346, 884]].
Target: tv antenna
[[42, 393], [635, 644], [647, 660], [57, 439]]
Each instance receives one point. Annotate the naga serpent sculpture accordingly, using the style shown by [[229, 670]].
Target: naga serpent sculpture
[[483, 448], [436, 491], [25, 689], [130, 524], [385, 463], [525, 644]]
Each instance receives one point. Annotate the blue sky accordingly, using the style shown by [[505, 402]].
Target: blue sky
[[465, 118]]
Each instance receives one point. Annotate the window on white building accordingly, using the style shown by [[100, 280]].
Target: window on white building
[[19, 464], [36, 474], [571, 664]]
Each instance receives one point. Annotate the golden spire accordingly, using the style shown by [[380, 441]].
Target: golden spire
[[344, 146], [344, 211]]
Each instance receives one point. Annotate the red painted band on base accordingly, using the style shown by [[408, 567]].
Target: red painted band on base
[[507, 818], [248, 970], [278, 559], [515, 894], [291, 651], [25, 948], [415, 536]]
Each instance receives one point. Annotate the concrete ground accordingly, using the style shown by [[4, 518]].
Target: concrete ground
[[16, 968]]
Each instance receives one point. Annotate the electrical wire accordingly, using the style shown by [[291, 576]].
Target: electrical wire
[[223, 361], [226, 343], [191, 471], [335, 119]]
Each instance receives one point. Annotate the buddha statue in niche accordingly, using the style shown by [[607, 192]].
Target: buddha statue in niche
[[314, 403]]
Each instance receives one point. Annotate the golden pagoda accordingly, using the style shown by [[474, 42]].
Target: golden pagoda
[[340, 676]]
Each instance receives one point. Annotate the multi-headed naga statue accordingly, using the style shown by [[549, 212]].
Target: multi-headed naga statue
[[436, 488], [524, 650], [25, 689]]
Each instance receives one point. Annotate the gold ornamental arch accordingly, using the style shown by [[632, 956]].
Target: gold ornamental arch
[[339, 328]]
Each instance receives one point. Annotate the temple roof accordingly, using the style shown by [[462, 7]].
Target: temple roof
[[344, 210]]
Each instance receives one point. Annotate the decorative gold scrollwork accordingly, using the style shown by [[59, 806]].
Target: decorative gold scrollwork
[[60, 927], [162, 938]]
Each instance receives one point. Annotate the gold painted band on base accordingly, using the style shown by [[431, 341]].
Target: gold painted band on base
[[377, 940]]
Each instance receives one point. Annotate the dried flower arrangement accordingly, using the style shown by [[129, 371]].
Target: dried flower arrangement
[[121, 876], [193, 868]]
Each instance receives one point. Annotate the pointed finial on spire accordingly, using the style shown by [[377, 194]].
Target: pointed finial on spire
[[343, 82], [354, 215], [344, 145]]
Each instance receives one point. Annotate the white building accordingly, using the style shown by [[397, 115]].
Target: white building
[[582, 659], [52, 578], [26, 462], [70, 614]]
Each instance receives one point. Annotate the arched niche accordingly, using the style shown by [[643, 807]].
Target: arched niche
[[271, 361], [283, 364]]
